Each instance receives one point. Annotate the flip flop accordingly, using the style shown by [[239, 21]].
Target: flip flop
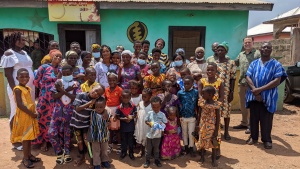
[[35, 159], [29, 163], [19, 148]]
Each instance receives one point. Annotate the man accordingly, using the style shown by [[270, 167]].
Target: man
[[36, 55], [137, 46], [243, 60], [263, 76], [214, 57], [75, 46]]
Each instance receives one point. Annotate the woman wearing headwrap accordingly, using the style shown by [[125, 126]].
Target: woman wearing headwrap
[[44, 80], [96, 53], [86, 58], [226, 72], [78, 72], [199, 64]]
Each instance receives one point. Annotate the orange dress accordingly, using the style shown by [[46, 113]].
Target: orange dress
[[154, 83]]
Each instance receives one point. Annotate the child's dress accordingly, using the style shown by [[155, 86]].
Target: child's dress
[[136, 100], [170, 147], [172, 102], [141, 128], [24, 126], [154, 83], [207, 126]]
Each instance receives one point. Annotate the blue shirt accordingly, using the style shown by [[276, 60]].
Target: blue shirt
[[188, 102], [262, 74], [159, 117], [180, 82]]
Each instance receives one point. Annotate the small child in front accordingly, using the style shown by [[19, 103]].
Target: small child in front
[[153, 141], [64, 93], [90, 76], [188, 98], [98, 134], [209, 133], [25, 126], [126, 113]]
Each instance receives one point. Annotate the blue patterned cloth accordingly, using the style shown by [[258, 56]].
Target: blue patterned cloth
[[180, 82], [262, 74], [188, 102]]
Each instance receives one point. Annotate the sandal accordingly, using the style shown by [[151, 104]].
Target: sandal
[[34, 159], [67, 158], [29, 163], [60, 159]]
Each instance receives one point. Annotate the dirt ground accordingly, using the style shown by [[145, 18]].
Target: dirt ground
[[235, 153]]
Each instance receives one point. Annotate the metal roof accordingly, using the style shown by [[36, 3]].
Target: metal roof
[[294, 13], [262, 29]]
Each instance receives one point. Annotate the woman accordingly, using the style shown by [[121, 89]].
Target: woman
[[44, 80], [52, 45], [78, 72], [179, 63], [14, 59], [160, 43], [96, 54], [103, 67], [129, 71], [199, 64], [226, 72], [86, 58]]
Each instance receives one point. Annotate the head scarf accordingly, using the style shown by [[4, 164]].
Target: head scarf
[[199, 48], [224, 45], [70, 52], [96, 46], [84, 54], [54, 52], [180, 50], [127, 52]]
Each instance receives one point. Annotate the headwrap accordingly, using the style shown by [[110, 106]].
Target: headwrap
[[96, 46], [112, 73], [54, 52], [127, 52], [224, 45], [200, 48], [84, 54], [180, 50], [70, 52]]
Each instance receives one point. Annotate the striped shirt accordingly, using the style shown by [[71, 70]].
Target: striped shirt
[[81, 119], [262, 74], [98, 131]]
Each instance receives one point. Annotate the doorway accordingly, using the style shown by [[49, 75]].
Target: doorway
[[85, 35], [186, 37]]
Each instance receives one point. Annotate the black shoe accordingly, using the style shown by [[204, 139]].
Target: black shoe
[[192, 152], [131, 156], [240, 126], [247, 131], [123, 155], [250, 141], [157, 163], [268, 145], [186, 149], [147, 164]]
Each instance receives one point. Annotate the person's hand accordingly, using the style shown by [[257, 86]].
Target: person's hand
[[181, 120], [121, 65], [92, 102], [258, 98], [256, 91], [114, 119], [85, 136], [105, 115], [230, 97], [34, 115], [128, 120]]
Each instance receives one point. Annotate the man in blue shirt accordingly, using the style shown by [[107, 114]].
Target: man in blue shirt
[[263, 77]]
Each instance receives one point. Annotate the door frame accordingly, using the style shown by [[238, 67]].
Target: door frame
[[62, 32], [202, 30]]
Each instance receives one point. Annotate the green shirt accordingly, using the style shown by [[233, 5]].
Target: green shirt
[[243, 61], [36, 57]]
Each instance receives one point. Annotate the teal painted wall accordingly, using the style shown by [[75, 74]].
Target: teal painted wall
[[230, 26]]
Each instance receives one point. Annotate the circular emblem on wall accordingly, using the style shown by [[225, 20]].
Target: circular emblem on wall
[[137, 31]]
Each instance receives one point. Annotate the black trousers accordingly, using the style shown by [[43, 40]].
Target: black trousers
[[260, 114], [127, 140]]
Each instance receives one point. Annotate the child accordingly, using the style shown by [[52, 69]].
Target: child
[[64, 93], [184, 72], [137, 46], [25, 126], [80, 120], [141, 128], [209, 134], [116, 57], [136, 97], [175, 86], [90, 75], [154, 81], [197, 76], [112, 95], [192, 59], [126, 113], [170, 148], [156, 53], [168, 99], [188, 103], [142, 62], [99, 135], [153, 141]]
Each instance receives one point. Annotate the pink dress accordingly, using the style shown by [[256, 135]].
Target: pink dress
[[170, 147]]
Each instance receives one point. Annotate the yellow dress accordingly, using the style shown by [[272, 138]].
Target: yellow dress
[[216, 85], [24, 126]]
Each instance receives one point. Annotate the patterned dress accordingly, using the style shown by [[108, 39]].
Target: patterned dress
[[170, 147], [128, 74], [226, 72], [24, 126], [44, 80], [154, 83], [216, 85], [207, 126], [172, 102]]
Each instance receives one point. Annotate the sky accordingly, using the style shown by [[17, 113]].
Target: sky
[[280, 7]]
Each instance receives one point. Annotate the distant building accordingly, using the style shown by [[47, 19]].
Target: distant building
[[264, 32]]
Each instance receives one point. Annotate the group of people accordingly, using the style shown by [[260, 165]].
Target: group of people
[[141, 99]]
